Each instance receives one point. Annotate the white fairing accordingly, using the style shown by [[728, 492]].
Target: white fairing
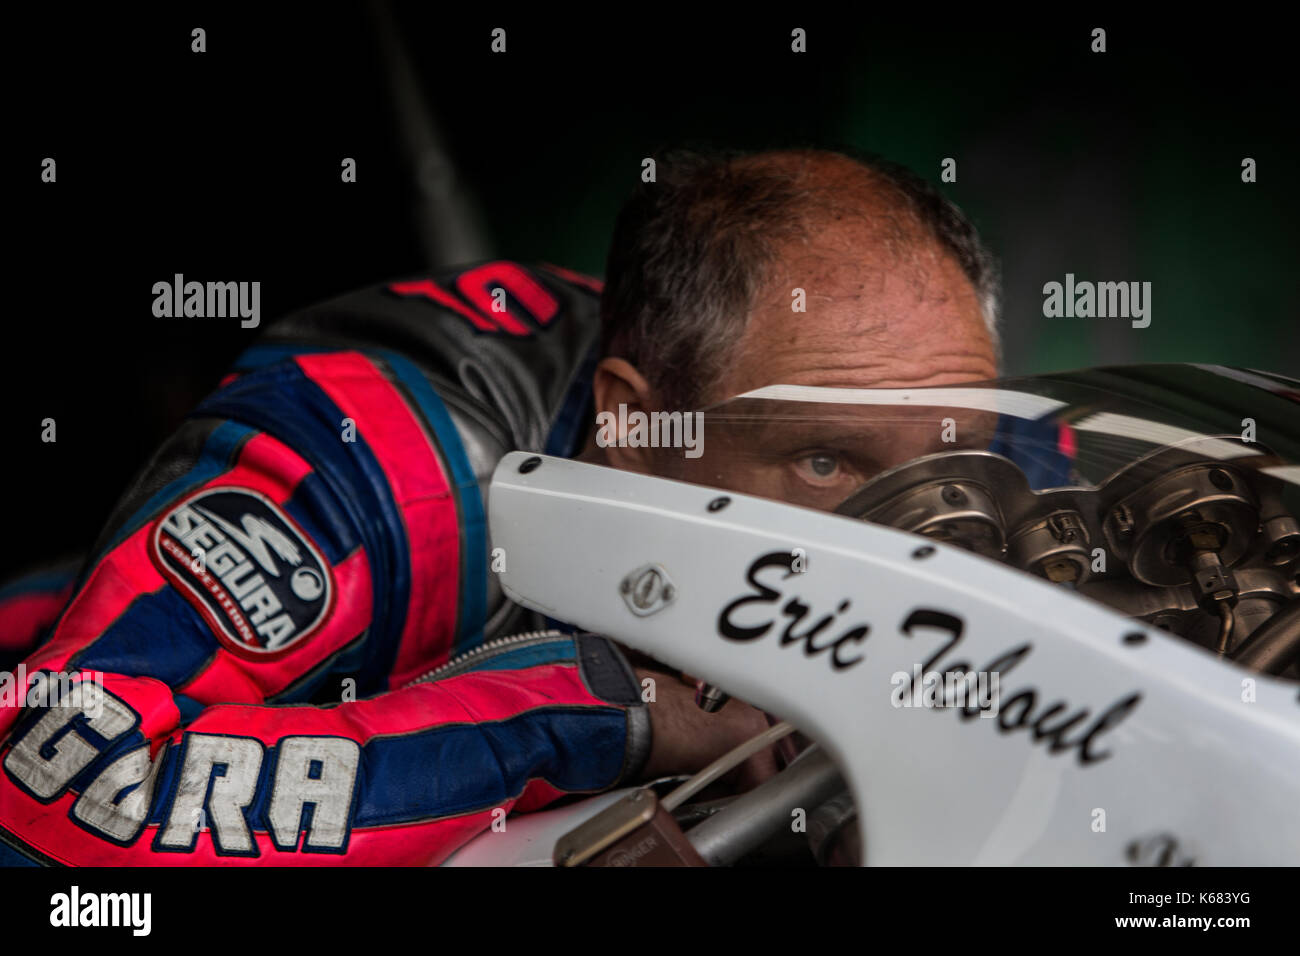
[[1208, 757], [528, 839]]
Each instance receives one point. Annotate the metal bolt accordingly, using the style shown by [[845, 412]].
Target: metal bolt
[[645, 589], [953, 495], [1060, 571], [1064, 528]]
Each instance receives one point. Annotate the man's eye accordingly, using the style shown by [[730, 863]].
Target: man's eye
[[820, 466]]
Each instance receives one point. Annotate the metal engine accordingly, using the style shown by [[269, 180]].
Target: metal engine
[[1204, 548]]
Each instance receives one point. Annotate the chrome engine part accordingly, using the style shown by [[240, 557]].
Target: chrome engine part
[[1205, 548]]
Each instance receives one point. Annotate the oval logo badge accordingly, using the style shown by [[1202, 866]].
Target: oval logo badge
[[253, 575]]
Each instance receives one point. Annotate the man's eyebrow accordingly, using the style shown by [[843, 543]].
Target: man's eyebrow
[[802, 432], [868, 433]]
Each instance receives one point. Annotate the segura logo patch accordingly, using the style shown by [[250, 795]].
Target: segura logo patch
[[255, 578]]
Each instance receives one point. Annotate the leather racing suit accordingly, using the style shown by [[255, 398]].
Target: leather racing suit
[[287, 631]]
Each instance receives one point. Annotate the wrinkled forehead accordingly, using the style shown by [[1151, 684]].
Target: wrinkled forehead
[[862, 327]]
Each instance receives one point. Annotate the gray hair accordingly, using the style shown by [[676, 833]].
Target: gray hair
[[691, 246]]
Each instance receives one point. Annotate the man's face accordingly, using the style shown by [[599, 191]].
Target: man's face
[[880, 314]]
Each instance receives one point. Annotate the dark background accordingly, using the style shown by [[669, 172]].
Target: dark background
[[225, 166]]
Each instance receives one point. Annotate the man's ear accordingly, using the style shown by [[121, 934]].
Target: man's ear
[[617, 382]]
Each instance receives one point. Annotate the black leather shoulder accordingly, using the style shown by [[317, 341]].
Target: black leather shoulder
[[502, 344]]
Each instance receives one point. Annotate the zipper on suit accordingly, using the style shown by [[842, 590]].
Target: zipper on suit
[[467, 660]]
